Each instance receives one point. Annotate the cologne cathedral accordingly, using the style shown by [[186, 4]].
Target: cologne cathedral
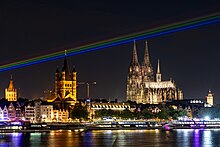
[[142, 86]]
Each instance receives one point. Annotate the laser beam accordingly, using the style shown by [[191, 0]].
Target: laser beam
[[146, 34]]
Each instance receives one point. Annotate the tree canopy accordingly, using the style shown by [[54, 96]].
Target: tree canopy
[[79, 112]]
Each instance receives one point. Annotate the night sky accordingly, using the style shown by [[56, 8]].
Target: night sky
[[29, 29]]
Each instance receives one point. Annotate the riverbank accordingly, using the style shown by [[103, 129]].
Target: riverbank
[[77, 129], [95, 128], [22, 131]]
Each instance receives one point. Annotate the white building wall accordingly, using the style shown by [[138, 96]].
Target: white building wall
[[30, 113], [46, 113]]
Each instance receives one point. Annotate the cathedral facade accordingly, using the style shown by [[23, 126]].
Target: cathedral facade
[[145, 87]]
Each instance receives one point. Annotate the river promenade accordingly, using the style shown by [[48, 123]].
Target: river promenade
[[112, 125]]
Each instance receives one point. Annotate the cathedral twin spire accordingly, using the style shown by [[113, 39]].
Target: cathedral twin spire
[[146, 60], [142, 87], [146, 68], [134, 61]]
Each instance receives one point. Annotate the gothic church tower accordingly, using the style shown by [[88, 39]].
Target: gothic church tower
[[65, 82], [147, 69], [11, 92], [134, 79]]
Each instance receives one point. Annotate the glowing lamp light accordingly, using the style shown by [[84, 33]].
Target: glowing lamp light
[[16, 123], [207, 118], [166, 127], [196, 119], [202, 126]]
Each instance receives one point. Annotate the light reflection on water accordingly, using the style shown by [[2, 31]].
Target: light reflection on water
[[207, 138], [180, 137]]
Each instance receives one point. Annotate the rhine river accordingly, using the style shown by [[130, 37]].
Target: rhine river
[[120, 138]]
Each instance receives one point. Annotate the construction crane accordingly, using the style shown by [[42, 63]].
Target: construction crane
[[87, 88]]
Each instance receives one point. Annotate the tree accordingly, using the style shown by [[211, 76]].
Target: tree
[[175, 116], [147, 114], [101, 113], [79, 112], [183, 112], [164, 113], [126, 114]]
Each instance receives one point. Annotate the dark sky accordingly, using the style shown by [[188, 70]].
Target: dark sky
[[29, 29]]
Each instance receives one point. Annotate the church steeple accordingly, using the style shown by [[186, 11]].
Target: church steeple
[[65, 83], [11, 85], [66, 68], [147, 69], [158, 67], [134, 61], [146, 61], [158, 75], [134, 78]]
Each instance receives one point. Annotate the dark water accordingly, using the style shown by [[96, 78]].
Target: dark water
[[181, 137]]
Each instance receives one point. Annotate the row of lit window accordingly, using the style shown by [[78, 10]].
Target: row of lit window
[[110, 106], [187, 122], [68, 85], [11, 95]]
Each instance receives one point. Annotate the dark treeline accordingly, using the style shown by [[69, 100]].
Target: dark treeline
[[164, 113]]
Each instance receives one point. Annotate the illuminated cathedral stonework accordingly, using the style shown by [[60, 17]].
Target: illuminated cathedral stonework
[[141, 86]]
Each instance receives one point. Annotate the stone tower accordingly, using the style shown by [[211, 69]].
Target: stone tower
[[147, 69], [65, 82], [134, 78], [11, 92], [209, 98]]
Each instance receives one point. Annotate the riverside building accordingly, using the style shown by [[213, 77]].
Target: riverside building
[[142, 86], [209, 99], [11, 92]]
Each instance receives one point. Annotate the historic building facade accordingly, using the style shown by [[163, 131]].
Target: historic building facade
[[65, 82], [142, 87], [11, 92], [209, 99], [64, 96]]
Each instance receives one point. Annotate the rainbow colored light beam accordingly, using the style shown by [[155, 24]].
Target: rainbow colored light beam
[[146, 34]]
